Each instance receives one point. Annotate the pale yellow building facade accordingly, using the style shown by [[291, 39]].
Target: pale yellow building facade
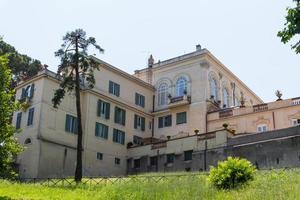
[[167, 100]]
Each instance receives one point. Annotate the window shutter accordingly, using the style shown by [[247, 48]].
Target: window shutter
[[135, 121], [110, 88], [123, 117], [99, 108], [143, 124], [116, 114], [117, 89], [23, 93], [67, 125], [143, 101], [105, 132], [107, 111], [136, 99], [31, 90], [76, 125], [96, 129], [115, 135], [160, 122], [122, 137]]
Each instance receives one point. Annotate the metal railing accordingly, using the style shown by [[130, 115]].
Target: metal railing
[[94, 181]]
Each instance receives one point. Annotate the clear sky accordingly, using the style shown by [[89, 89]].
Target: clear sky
[[241, 34]]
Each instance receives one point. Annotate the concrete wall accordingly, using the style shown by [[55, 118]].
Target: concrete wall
[[275, 149]]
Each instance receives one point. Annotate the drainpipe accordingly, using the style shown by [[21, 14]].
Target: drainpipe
[[274, 124]]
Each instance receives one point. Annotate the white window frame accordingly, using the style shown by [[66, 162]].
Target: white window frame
[[295, 122], [262, 128], [181, 86], [162, 94]]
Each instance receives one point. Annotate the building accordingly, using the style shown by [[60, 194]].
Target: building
[[183, 97]]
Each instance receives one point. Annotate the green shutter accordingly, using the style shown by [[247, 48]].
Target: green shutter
[[31, 90], [110, 89], [107, 111], [143, 101], [105, 132], [143, 124], [115, 135], [136, 99], [76, 125], [135, 121], [96, 129], [123, 117], [122, 137], [160, 122], [116, 114], [67, 125], [117, 89], [99, 108]]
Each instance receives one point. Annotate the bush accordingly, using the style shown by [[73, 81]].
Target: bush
[[231, 173]]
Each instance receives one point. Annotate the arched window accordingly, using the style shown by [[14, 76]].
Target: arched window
[[225, 98], [181, 86], [213, 89], [162, 94], [27, 141]]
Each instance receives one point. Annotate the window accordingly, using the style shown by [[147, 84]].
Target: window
[[120, 116], [139, 122], [27, 141], [30, 117], [117, 161], [188, 155], [119, 136], [101, 130], [225, 98], [262, 128], [103, 109], [296, 122], [99, 156], [139, 100], [137, 163], [162, 94], [213, 89], [114, 88], [153, 161], [71, 124], [181, 86], [181, 118], [19, 119], [165, 121], [170, 158], [27, 92]]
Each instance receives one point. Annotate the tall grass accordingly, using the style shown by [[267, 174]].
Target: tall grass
[[267, 185]]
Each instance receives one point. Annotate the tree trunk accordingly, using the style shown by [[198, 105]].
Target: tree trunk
[[78, 171]]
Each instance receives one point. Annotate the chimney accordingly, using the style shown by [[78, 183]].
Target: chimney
[[198, 47], [150, 61]]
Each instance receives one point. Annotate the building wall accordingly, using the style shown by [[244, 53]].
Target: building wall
[[277, 149], [276, 115]]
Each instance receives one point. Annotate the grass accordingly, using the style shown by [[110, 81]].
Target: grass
[[268, 185]]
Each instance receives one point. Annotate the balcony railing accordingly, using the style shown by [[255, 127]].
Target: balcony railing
[[179, 101], [225, 113], [260, 107], [176, 99]]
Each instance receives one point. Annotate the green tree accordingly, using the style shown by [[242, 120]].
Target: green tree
[[292, 27], [9, 147], [21, 65], [76, 68]]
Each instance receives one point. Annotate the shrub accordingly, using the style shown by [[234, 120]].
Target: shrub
[[231, 173]]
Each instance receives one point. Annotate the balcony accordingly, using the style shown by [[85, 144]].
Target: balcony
[[260, 107], [179, 101]]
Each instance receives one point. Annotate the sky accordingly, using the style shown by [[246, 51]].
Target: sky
[[241, 34]]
